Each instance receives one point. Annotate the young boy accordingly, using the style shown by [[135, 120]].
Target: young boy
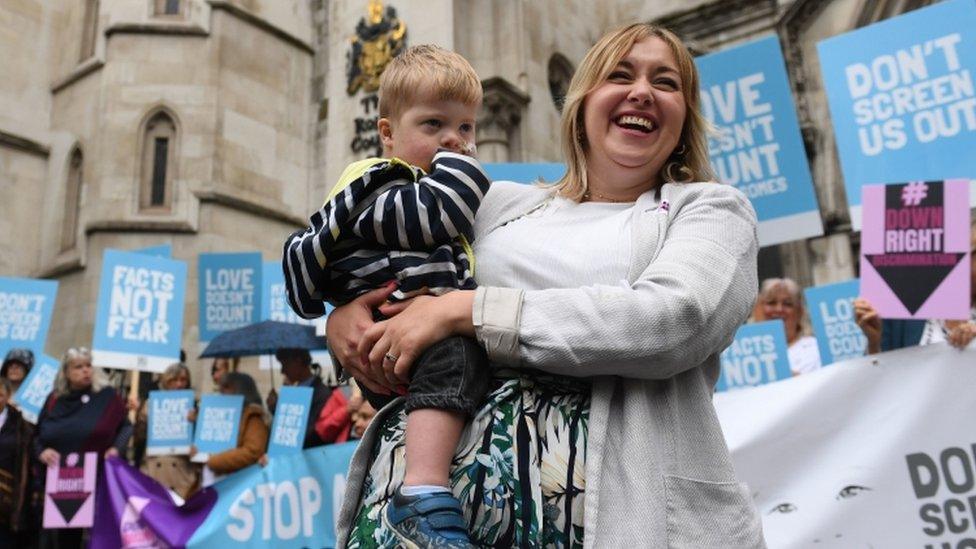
[[407, 217]]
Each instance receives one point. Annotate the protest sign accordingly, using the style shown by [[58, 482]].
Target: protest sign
[[831, 309], [230, 292], [290, 420], [915, 249], [139, 318], [525, 172], [69, 492], [902, 98], [217, 423], [290, 503], [163, 250], [757, 356], [871, 452], [169, 431], [274, 306], [26, 305], [758, 148], [36, 386]]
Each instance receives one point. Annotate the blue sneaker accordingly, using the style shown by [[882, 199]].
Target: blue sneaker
[[427, 521]]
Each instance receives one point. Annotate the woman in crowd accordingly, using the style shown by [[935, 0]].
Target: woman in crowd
[[15, 439], [82, 414], [604, 304], [16, 365], [782, 298], [252, 435], [891, 334], [218, 368], [174, 472]]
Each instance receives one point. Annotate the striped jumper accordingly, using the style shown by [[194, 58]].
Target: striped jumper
[[387, 220]]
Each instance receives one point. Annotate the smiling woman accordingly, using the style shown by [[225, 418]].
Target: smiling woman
[[603, 304]]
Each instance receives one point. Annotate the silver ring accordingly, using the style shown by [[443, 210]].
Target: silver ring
[[391, 357]]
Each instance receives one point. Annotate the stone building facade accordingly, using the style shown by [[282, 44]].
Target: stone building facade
[[219, 125]]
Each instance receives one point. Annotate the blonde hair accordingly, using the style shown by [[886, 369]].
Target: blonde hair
[[61, 385], [171, 372], [689, 162], [427, 70], [771, 285]]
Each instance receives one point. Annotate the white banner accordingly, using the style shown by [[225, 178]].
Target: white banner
[[872, 452]]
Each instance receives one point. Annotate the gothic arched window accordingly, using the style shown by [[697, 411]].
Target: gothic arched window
[[560, 73], [158, 162], [89, 30], [72, 200]]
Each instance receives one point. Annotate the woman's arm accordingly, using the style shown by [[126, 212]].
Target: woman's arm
[[684, 307], [345, 329]]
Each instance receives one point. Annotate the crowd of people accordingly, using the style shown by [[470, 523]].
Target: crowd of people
[[86, 413]]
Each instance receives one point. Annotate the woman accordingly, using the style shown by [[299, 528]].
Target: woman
[[607, 357], [174, 472], [15, 436], [252, 436], [16, 365], [82, 414], [782, 298]]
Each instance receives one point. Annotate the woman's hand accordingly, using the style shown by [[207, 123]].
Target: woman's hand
[[50, 457], [960, 333], [111, 452], [407, 335], [869, 321], [345, 329]]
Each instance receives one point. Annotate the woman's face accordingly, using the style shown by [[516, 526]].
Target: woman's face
[[780, 304], [180, 381], [219, 368], [79, 373], [16, 372], [634, 119]]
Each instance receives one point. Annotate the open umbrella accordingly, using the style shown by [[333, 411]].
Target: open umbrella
[[263, 338]]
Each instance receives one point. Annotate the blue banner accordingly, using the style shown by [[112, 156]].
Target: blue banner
[[290, 420], [525, 172], [26, 305], [832, 313], [33, 391], [758, 355], [169, 430], [758, 147], [230, 292], [163, 250], [288, 504], [218, 421], [902, 98], [139, 319]]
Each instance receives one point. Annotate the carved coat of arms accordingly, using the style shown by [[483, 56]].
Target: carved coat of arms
[[379, 38]]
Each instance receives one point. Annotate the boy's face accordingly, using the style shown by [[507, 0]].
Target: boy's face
[[427, 125]]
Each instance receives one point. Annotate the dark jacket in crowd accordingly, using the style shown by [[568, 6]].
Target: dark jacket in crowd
[[83, 421], [15, 469], [320, 395]]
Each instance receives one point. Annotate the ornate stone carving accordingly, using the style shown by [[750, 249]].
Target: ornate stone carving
[[499, 121]]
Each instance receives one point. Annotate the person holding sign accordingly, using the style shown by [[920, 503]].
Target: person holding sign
[[82, 414], [603, 304], [252, 436], [782, 298], [891, 334], [296, 365], [15, 442], [175, 472]]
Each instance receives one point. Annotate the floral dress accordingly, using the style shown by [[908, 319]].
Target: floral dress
[[519, 471]]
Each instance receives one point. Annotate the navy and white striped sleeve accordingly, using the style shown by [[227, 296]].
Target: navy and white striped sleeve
[[427, 213]]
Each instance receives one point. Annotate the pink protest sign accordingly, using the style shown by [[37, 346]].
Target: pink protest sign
[[915, 249], [69, 494]]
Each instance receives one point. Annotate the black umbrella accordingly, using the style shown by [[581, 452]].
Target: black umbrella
[[264, 338]]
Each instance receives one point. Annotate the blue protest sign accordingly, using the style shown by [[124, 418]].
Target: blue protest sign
[[217, 423], [139, 318], [831, 310], [525, 172], [163, 250], [274, 306], [26, 305], [169, 431], [36, 386], [290, 420], [290, 504], [758, 355], [758, 148], [902, 98], [230, 292]]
